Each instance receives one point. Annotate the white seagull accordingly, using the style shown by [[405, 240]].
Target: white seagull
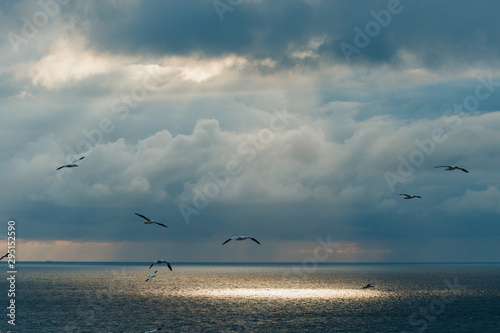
[[152, 331], [149, 221], [451, 167], [151, 276], [408, 196], [368, 286], [161, 262], [240, 238], [72, 164]]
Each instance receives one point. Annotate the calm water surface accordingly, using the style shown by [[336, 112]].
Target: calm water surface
[[71, 297]]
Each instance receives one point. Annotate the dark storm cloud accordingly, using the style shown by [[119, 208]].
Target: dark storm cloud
[[449, 31], [183, 28], [440, 34]]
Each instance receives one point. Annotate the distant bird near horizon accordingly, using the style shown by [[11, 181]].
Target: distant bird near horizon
[[157, 262], [409, 196], [368, 286], [451, 167], [72, 164], [149, 221], [240, 238], [6, 255], [151, 276]]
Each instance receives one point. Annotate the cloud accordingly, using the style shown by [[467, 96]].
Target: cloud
[[475, 201], [166, 101], [68, 60], [293, 167], [296, 32]]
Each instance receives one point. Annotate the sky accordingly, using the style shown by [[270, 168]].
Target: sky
[[297, 122]]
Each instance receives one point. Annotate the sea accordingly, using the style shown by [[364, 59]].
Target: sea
[[256, 297]]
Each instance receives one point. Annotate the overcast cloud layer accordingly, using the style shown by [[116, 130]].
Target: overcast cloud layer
[[296, 122]]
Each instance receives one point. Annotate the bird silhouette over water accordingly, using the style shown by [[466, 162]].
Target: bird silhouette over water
[[5, 255], [152, 331], [151, 276], [368, 286], [157, 262]]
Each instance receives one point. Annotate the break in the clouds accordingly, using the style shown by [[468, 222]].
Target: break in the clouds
[[295, 122]]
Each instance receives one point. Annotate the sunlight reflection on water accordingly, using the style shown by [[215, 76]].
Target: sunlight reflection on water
[[231, 298], [290, 293]]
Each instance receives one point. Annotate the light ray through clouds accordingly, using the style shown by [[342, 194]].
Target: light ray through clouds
[[255, 124]]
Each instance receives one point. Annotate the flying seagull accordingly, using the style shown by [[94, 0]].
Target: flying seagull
[[161, 262], [451, 167], [368, 286], [149, 221], [239, 238], [72, 164], [6, 255], [152, 331], [151, 276], [408, 196]]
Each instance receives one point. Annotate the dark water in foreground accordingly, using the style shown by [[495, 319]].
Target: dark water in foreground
[[52, 297]]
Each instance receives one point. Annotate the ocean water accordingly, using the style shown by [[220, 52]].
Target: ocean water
[[114, 297]]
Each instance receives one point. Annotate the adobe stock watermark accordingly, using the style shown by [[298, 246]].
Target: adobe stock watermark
[[246, 153], [31, 27], [426, 315], [12, 272], [321, 253], [425, 148], [372, 29], [221, 7], [151, 81]]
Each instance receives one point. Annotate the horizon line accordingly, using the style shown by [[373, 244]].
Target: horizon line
[[267, 262]]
